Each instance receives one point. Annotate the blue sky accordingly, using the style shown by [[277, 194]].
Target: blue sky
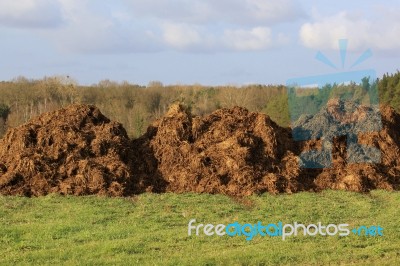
[[211, 42]]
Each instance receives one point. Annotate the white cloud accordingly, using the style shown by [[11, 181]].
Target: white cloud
[[30, 13], [181, 35], [90, 28], [381, 33], [258, 38], [224, 25], [194, 38], [242, 12], [273, 11], [124, 26]]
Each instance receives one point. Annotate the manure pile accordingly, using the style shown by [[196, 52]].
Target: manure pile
[[77, 150]]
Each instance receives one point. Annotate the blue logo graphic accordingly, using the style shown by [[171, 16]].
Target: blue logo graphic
[[333, 105], [368, 231]]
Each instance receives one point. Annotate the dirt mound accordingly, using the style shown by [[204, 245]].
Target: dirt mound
[[338, 118], [364, 143], [79, 151], [230, 151], [236, 152], [75, 150], [366, 176]]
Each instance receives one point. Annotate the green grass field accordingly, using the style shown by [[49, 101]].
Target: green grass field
[[151, 229]]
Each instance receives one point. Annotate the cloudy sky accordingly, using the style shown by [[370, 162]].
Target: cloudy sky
[[194, 41]]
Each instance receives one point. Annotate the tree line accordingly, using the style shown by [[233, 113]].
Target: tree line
[[133, 105], [136, 106]]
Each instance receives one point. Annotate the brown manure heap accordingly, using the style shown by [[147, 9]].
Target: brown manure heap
[[77, 150], [230, 151], [363, 177]]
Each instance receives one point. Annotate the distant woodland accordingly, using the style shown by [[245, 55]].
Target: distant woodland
[[137, 106]]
